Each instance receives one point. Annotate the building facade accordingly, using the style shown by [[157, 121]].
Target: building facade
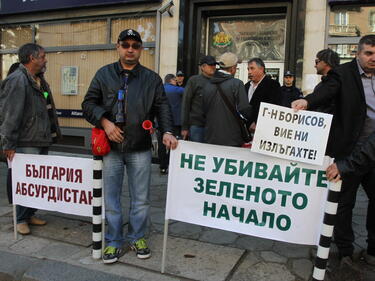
[[80, 38]]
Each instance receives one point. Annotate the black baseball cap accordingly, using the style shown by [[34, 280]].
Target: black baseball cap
[[288, 73], [210, 60], [180, 73], [129, 33]]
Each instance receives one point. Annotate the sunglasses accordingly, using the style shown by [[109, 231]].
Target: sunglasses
[[317, 61], [135, 46]]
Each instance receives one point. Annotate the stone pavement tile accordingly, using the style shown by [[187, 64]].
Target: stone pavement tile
[[83, 258], [29, 245], [254, 243], [302, 268], [7, 239], [12, 266], [270, 256], [261, 271], [185, 230], [217, 236], [290, 250], [189, 258], [65, 230], [5, 209], [58, 251], [6, 222]]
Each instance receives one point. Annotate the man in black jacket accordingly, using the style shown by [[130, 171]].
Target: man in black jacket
[[192, 116], [260, 88], [350, 86], [222, 125], [289, 92], [28, 117], [121, 96]]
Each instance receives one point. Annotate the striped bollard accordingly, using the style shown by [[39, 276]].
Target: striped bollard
[[327, 232], [97, 208]]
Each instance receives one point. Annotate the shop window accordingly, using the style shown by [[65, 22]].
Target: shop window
[[146, 26], [71, 33], [15, 36]]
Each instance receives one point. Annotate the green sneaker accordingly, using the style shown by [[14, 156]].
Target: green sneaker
[[112, 254], [141, 248]]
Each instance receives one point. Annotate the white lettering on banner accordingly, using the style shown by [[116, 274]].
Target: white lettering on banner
[[237, 190], [298, 136], [54, 183]]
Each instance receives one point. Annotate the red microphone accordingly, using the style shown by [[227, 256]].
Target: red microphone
[[147, 125]]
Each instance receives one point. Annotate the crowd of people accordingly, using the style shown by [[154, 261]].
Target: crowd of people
[[212, 107]]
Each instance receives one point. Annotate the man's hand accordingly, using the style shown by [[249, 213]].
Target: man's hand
[[333, 173], [9, 154], [300, 104], [113, 132], [252, 127], [170, 141], [185, 134]]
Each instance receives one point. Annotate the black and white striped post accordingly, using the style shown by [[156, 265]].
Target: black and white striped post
[[327, 232], [97, 208]]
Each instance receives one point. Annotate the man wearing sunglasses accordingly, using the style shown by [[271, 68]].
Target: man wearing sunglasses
[[350, 85], [121, 96]]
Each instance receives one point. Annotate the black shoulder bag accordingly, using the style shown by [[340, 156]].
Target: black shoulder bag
[[241, 122]]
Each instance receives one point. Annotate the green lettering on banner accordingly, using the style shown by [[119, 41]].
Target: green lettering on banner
[[283, 226], [260, 171], [308, 173], [322, 179], [210, 187], [199, 182], [218, 162], [303, 204], [292, 175], [248, 168], [239, 215], [230, 168], [211, 209], [276, 173], [186, 160], [199, 162], [252, 217], [223, 212]]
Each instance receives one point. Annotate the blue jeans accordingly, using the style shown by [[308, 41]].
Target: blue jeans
[[25, 213], [197, 133], [138, 167]]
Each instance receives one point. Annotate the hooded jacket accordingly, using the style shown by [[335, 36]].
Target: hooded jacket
[[222, 127]]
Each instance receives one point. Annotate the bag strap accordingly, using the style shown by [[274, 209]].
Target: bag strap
[[229, 105]]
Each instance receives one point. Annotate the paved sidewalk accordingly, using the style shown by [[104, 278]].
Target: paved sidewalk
[[61, 250]]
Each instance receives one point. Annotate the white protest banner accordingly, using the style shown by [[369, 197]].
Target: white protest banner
[[299, 136], [55, 183], [237, 190]]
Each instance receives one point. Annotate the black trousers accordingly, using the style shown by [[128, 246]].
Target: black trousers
[[343, 232]]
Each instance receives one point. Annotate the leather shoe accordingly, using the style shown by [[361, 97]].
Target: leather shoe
[[36, 221], [23, 228]]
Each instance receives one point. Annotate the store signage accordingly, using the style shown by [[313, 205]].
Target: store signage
[[73, 113], [23, 6]]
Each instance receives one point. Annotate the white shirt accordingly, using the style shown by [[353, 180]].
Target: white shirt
[[253, 87]]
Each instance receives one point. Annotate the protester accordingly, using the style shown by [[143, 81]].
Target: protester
[[260, 88], [289, 92], [325, 61], [29, 121], [222, 126], [174, 94], [350, 86], [192, 116], [180, 79], [12, 68], [144, 98]]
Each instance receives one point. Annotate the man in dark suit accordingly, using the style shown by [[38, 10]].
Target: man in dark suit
[[351, 86], [260, 88]]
